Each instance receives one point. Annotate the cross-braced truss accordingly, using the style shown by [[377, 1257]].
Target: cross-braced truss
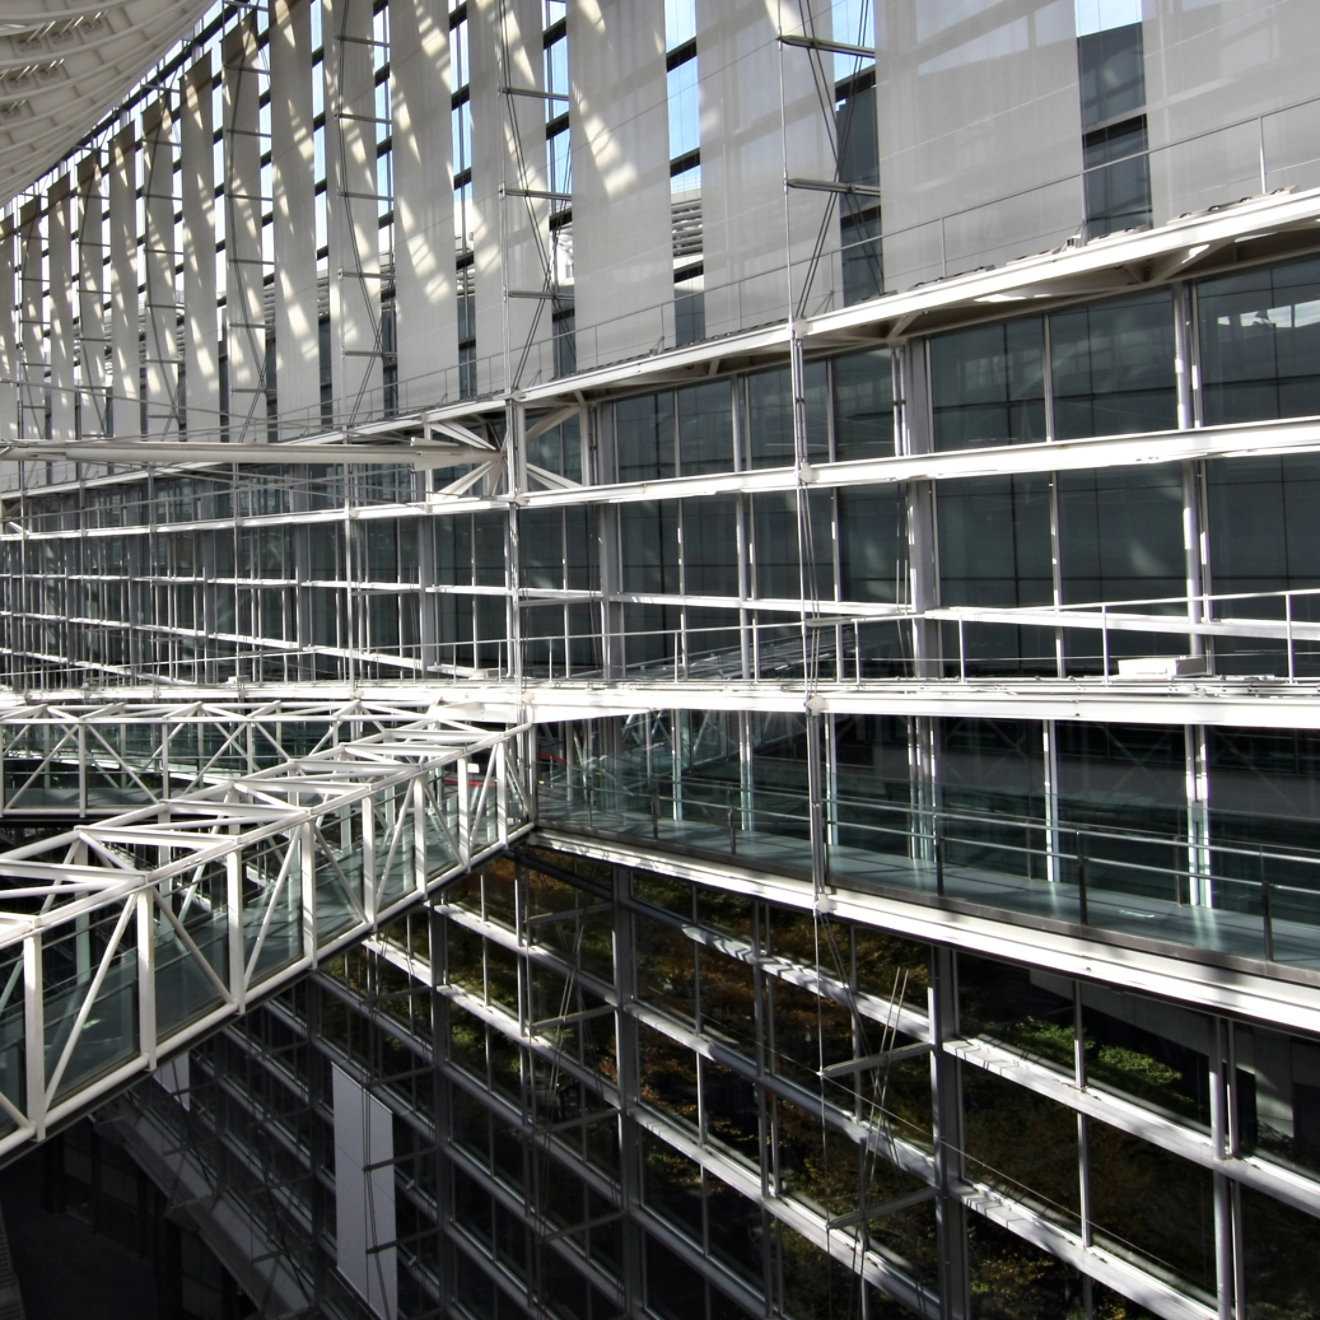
[[123, 940]]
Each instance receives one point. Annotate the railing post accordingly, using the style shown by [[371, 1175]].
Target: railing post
[[962, 652], [1288, 616], [1104, 645], [655, 815], [1082, 911], [733, 836], [1265, 915], [939, 858]]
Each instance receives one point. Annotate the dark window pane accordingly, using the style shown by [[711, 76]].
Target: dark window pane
[[988, 385], [1117, 178], [1112, 368], [1112, 73]]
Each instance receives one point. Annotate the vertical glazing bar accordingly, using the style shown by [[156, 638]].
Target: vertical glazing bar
[[367, 834], [307, 859], [463, 799], [146, 977], [236, 931], [34, 1033], [201, 364]]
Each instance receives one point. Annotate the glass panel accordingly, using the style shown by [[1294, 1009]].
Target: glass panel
[[1117, 178], [993, 785], [863, 404], [1112, 367], [1111, 65], [109, 1034], [1260, 343], [995, 550], [770, 416], [1264, 539], [1153, 1208], [705, 428], [1123, 807], [1029, 1011], [645, 437], [1148, 1051], [988, 385], [1023, 1144], [1278, 1096], [199, 903], [1011, 1277], [1278, 1258], [1266, 800], [710, 546]]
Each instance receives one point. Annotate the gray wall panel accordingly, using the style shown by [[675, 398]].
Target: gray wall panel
[[8, 341], [623, 262], [424, 293], [1224, 82], [94, 344], [364, 1203], [763, 113], [162, 325], [297, 339], [354, 230], [980, 133], [30, 288], [200, 338], [62, 339], [126, 389], [510, 249], [245, 317]]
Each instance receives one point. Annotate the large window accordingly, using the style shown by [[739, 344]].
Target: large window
[[1260, 343]]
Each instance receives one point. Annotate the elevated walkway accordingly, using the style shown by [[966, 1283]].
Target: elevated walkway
[[123, 940]]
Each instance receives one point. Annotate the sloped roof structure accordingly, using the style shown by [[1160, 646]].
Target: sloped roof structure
[[64, 64]]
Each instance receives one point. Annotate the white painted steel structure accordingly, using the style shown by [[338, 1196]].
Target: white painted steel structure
[[124, 940]]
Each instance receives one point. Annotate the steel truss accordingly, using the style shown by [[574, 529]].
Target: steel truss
[[123, 941], [75, 755]]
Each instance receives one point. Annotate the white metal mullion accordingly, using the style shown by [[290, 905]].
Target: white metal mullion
[[34, 1032], [464, 857], [368, 809], [146, 977], [235, 928], [417, 795], [499, 760]]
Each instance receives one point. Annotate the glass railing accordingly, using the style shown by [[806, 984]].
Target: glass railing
[[1256, 902]]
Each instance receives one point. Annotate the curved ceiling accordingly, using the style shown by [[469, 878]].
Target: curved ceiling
[[65, 64]]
